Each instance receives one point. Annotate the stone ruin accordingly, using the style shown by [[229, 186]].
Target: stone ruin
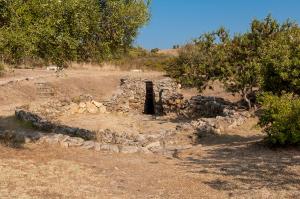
[[202, 115], [100, 140], [131, 96]]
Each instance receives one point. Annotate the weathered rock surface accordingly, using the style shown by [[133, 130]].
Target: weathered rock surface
[[130, 149], [102, 140], [54, 109], [131, 96], [153, 146], [205, 115], [45, 125], [91, 108]]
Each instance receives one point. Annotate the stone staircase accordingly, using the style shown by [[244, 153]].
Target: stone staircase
[[44, 89]]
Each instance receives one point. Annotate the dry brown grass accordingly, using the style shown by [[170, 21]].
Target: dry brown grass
[[37, 172], [231, 165], [173, 52]]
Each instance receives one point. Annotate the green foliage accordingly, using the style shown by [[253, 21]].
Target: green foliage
[[280, 119], [201, 61], [1, 68], [70, 30], [121, 20], [176, 46], [281, 62], [154, 50], [11, 139], [266, 57]]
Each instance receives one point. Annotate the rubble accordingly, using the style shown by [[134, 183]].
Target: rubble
[[215, 125], [45, 125], [75, 137], [203, 114], [207, 106], [56, 108]]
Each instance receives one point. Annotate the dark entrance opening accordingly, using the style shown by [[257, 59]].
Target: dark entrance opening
[[149, 107]]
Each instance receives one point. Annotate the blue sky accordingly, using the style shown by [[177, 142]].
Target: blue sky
[[179, 21]]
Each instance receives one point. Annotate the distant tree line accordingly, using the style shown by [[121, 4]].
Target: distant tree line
[[176, 46], [264, 61], [61, 31]]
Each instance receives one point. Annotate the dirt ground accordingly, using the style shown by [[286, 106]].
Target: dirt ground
[[231, 165]]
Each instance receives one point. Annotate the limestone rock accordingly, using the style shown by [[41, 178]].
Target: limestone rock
[[81, 110], [131, 95], [28, 140], [129, 149], [91, 108], [97, 146], [102, 109], [51, 140], [110, 147], [145, 151], [82, 105], [65, 144], [75, 142], [88, 145], [73, 108], [153, 146], [97, 104]]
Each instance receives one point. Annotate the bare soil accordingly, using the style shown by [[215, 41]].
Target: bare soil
[[234, 164]]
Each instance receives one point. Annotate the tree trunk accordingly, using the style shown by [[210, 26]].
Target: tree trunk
[[248, 102], [245, 96]]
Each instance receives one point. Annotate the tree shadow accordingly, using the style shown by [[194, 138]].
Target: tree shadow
[[211, 139], [247, 166], [13, 131]]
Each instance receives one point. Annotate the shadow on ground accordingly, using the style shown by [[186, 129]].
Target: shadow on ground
[[12, 131], [247, 165], [210, 139]]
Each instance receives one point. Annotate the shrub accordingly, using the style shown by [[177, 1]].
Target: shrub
[[267, 58], [280, 60], [68, 30], [11, 139], [2, 68], [176, 46], [280, 119], [200, 61], [154, 50]]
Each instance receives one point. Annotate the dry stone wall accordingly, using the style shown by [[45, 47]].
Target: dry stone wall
[[56, 108], [45, 125], [131, 97], [207, 106], [132, 91], [101, 140], [205, 114]]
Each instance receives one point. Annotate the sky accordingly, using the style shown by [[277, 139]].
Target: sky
[[180, 21]]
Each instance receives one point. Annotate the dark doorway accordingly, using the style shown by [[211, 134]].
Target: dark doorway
[[149, 107]]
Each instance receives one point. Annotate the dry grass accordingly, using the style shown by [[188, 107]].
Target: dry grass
[[57, 173], [173, 52], [232, 169], [96, 67], [231, 165]]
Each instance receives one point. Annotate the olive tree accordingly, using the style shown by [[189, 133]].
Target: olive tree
[[260, 58], [70, 30], [280, 62]]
